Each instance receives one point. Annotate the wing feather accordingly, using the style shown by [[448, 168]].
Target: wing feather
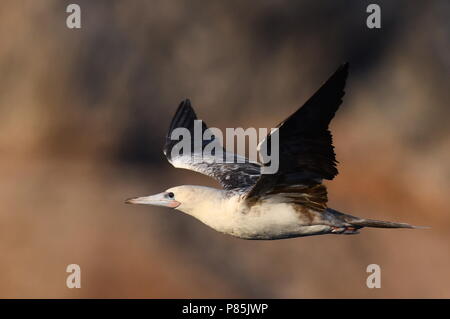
[[232, 175], [306, 152]]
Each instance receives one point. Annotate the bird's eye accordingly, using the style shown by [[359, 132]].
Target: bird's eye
[[171, 195]]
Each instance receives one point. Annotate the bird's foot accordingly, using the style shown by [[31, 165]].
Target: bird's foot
[[348, 230]]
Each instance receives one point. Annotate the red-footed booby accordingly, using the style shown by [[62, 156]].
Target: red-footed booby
[[289, 203]]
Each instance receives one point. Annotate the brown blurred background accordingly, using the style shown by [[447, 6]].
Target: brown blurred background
[[83, 114]]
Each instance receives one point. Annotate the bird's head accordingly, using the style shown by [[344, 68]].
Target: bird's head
[[165, 199], [185, 198]]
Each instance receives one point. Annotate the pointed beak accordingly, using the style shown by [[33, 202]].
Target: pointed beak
[[160, 199]]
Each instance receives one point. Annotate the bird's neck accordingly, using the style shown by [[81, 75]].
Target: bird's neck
[[209, 205]]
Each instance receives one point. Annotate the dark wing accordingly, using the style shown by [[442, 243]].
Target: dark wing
[[306, 153], [231, 174]]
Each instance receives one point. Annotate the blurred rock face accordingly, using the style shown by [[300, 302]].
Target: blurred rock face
[[83, 114]]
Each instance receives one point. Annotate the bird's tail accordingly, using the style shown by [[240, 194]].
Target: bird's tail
[[364, 222]]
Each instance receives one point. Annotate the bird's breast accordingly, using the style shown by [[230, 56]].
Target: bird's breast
[[266, 221]]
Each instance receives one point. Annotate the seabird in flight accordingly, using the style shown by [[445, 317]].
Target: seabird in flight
[[290, 203]]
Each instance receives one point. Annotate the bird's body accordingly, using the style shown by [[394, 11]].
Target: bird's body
[[291, 202], [271, 218]]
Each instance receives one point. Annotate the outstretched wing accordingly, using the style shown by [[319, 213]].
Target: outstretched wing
[[306, 153], [236, 174]]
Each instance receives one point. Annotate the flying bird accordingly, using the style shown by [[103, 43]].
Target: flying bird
[[289, 203]]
